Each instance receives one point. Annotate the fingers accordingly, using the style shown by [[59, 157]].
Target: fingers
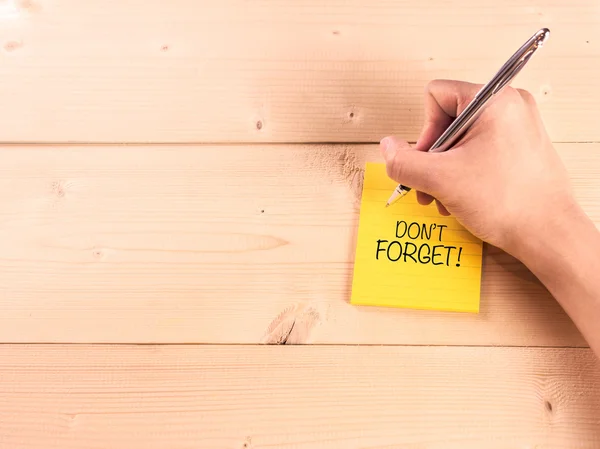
[[444, 100], [415, 169], [424, 198], [441, 208]]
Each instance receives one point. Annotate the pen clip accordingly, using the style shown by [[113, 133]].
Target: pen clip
[[513, 72], [508, 72]]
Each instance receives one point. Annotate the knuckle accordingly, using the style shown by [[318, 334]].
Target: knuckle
[[511, 94], [437, 85], [514, 100], [527, 96], [395, 168], [431, 84], [399, 144]]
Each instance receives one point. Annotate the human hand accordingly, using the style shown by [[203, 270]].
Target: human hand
[[503, 180]]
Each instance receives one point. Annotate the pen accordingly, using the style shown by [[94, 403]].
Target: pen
[[500, 80]]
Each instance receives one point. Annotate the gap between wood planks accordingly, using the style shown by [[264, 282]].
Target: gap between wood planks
[[222, 144], [366, 345]]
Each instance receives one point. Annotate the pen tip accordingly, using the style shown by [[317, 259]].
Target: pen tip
[[387, 204]]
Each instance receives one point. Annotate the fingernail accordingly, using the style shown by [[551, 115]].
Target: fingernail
[[385, 143]]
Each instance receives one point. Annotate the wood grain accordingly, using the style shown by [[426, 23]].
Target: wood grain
[[278, 71], [227, 244], [241, 397]]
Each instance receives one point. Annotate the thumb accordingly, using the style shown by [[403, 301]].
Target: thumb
[[416, 169]]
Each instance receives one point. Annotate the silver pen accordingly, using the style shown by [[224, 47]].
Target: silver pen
[[500, 80]]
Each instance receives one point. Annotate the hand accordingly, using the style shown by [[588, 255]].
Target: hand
[[502, 180]]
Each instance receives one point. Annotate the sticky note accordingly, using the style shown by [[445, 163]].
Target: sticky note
[[409, 255]]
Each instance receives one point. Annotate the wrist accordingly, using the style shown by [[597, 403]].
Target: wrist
[[554, 239]]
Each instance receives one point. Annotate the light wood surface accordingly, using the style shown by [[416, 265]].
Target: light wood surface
[[310, 71], [225, 219], [227, 244], [240, 397]]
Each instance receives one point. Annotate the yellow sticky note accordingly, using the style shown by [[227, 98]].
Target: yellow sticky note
[[411, 256]]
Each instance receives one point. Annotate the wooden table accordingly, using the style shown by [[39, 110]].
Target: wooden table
[[179, 187]]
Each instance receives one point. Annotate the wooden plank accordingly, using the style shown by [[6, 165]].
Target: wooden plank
[[255, 397], [277, 71], [227, 244]]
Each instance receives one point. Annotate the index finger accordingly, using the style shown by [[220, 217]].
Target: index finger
[[444, 101]]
